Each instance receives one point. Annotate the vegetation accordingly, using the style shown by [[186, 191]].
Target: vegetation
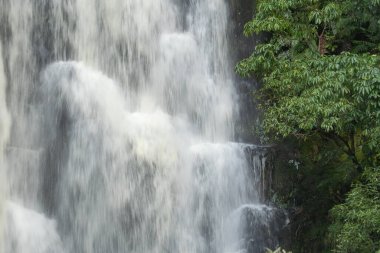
[[319, 64], [357, 221]]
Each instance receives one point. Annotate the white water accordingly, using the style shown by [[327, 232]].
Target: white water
[[122, 126], [4, 134], [29, 231]]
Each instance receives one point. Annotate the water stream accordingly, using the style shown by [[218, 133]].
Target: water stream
[[117, 131]]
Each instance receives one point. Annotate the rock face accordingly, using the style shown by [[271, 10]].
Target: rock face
[[263, 226], [241, 11], [260, 160]]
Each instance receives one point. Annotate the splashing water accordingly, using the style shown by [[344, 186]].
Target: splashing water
[[122, 127]]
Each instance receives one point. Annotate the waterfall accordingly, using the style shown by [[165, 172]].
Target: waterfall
[[4, 134], [122, 136]]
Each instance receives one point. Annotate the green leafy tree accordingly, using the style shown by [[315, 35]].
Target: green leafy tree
[[320, 71], [357, 226]]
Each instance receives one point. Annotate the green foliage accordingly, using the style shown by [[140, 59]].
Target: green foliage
[[357, 221], [309, 192], [320, 72], [329, 94]]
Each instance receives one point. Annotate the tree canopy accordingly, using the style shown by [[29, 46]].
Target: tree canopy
[[319, 65]]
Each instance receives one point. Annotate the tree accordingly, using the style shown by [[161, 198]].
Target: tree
[[320, 71], [357, 221]]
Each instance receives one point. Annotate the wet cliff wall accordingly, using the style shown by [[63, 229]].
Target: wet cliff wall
[[241, 12], [275, 158]]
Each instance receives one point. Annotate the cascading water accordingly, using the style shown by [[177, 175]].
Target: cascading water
[[122, 118], [4, 134]]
